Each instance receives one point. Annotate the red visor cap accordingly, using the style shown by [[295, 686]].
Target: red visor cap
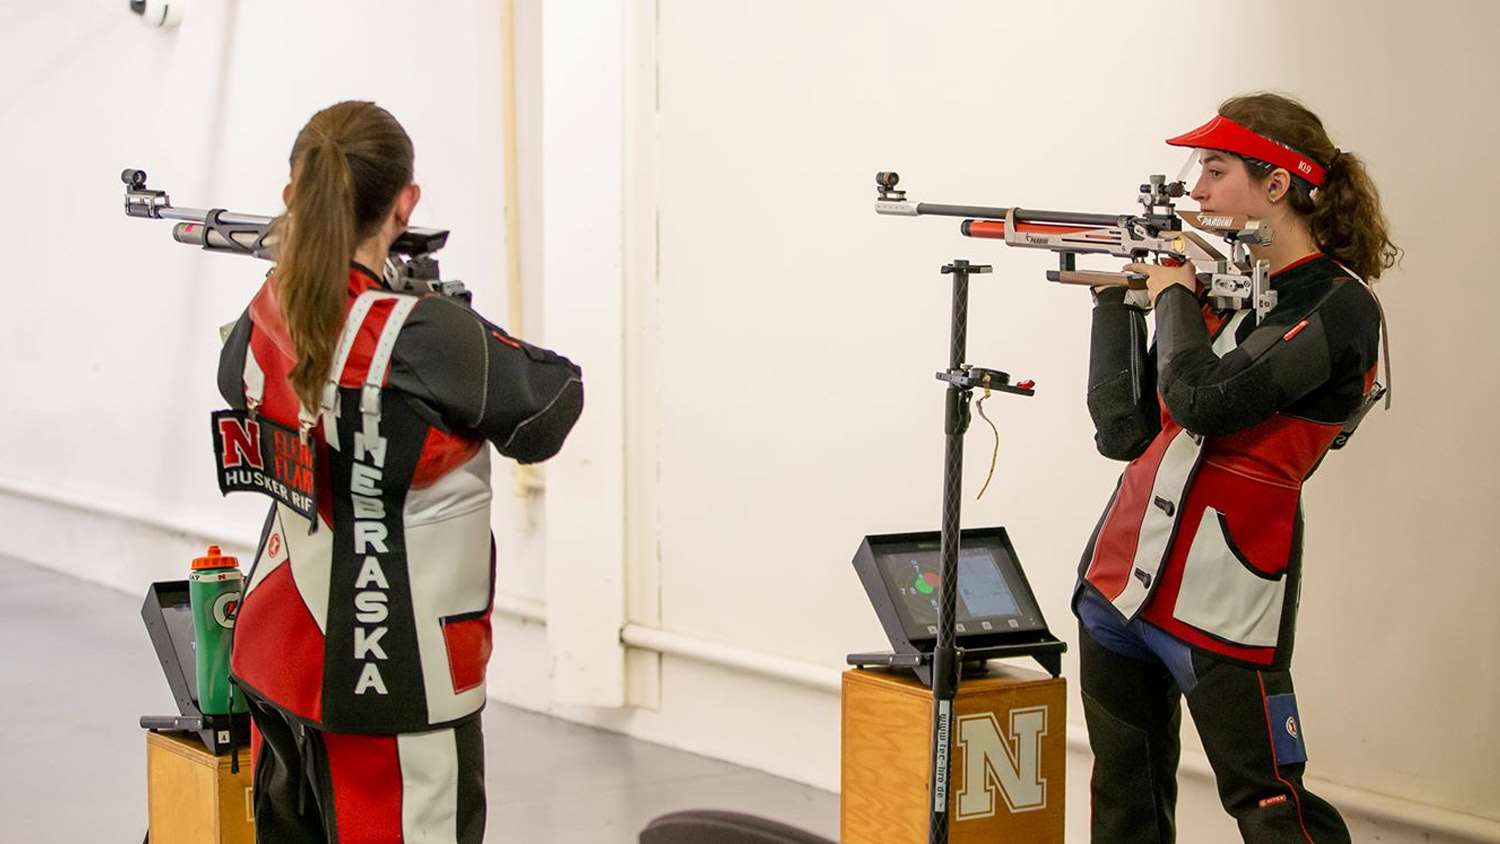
[[1221, 133]]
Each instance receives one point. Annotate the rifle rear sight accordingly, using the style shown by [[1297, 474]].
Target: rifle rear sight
[[1159, 193], [885, 186]]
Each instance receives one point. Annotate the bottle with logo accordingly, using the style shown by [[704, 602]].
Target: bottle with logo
[[214, 594]]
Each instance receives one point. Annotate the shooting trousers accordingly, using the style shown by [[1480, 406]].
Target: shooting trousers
[[318, 787]]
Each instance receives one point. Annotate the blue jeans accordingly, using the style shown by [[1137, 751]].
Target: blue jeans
[[1133, 677], [1136, 639]]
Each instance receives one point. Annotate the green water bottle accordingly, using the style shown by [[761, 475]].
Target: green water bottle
[[214, 594]]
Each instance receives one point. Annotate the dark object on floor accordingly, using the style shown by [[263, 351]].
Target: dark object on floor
[[706, 826]]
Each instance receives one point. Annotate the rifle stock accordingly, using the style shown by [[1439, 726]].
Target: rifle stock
[[1093, 278]]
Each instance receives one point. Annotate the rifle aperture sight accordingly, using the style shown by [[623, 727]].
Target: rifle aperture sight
[[141, 201], [1159, 193], [885, 186], [1157, 185]]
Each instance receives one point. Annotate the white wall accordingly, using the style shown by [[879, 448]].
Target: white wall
[[778, 393]]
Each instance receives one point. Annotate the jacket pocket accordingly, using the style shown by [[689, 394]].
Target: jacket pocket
[[1223, 594], [467, 641]]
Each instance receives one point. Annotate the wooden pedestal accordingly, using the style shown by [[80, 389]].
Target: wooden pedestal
[[1009, 751], [191, 796]]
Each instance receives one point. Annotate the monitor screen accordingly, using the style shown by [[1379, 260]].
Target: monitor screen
[[168, 615], [992, 595], [179, 619]]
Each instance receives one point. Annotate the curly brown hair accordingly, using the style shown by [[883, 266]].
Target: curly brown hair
[[1344, 214]]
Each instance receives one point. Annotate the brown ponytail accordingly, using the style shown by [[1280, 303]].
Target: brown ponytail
[[348, 164], [1344, 214]]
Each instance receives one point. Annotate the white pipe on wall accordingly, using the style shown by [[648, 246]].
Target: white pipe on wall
[[739, 659], [1366, 804], [521, 607]]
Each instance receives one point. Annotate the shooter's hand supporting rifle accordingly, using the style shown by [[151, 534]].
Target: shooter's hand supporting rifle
[[1159, 277]]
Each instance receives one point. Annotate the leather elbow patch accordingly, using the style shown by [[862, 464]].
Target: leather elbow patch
[[541, 436], [1119, 420], [1112, 396]]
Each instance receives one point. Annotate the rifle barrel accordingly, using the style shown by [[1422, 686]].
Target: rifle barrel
[[1023, 215], [245, 230], [200, 215]]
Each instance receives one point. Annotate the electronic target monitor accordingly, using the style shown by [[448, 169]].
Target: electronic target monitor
[[168, 614], [995, 612]]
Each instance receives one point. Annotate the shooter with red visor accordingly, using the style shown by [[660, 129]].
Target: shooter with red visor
[[1189, 585]]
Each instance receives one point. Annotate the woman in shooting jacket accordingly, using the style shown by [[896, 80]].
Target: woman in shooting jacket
[[364, 632], [1189, 585]]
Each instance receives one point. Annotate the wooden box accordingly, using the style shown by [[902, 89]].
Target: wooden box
[[1007, 758], [192, 798]]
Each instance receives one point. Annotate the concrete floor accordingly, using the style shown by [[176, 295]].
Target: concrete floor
[[77, 670]]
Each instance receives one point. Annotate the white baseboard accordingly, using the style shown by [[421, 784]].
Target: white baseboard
[[117, 544]]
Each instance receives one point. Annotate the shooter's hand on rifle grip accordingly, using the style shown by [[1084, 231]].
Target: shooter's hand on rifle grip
[[1159, 277]]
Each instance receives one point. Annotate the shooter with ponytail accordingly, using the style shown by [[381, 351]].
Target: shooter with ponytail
[[363, 639], [348, 165], [1189, 587], [1343, 214]]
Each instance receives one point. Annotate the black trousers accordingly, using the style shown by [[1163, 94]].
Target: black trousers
[[317, 787], [1247, 721]]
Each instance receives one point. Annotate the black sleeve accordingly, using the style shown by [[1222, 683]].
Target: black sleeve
[[1122, 378], [1293, 352], [232, 363], [522, 398]]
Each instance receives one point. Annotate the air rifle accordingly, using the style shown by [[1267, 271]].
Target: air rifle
[[1232, 282], [410, 266]]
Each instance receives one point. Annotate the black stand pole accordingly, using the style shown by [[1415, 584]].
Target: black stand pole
[[945, 656]]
